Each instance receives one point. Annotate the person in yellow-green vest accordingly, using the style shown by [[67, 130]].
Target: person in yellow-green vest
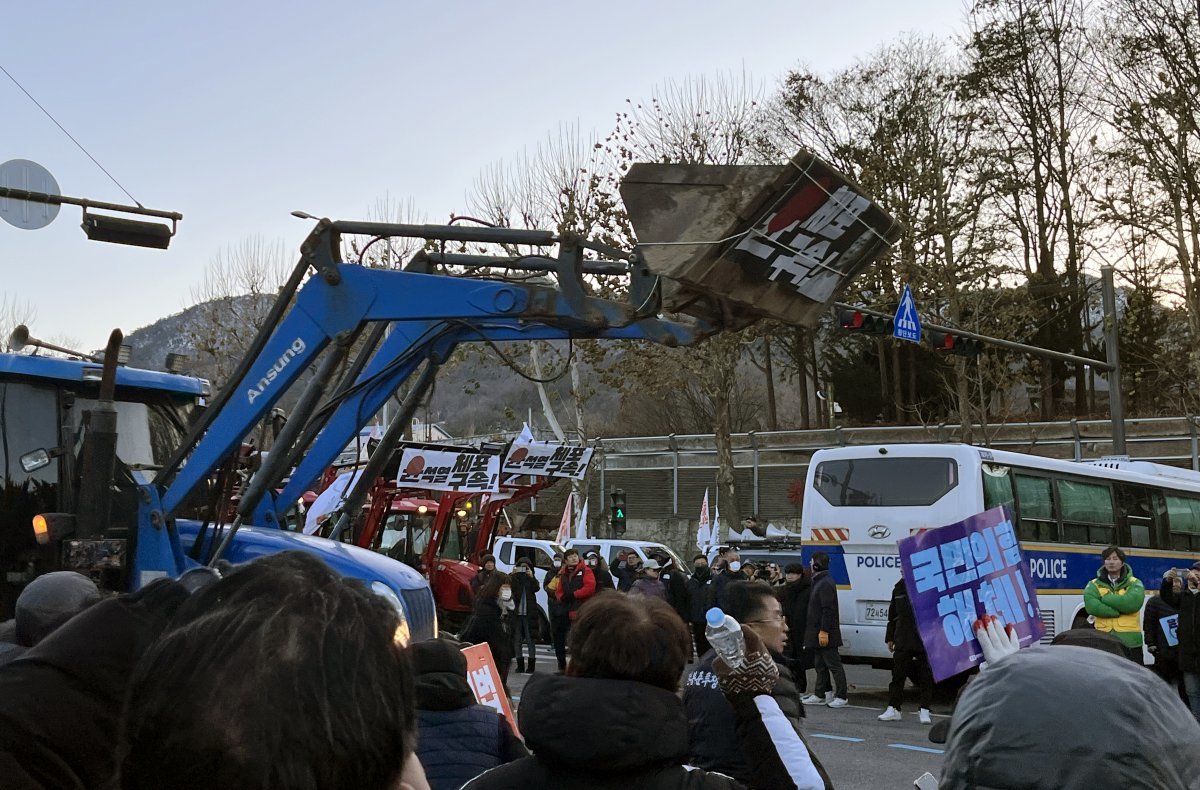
[[1114, 599]]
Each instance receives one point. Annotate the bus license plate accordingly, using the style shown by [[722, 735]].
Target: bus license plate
[[875, 611]]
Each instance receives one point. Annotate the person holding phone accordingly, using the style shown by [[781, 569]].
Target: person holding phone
[[1187, 600]]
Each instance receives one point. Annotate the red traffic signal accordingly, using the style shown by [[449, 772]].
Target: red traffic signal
[[858, 321], [954, 344]]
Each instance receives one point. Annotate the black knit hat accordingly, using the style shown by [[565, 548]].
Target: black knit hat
[[438, 655]]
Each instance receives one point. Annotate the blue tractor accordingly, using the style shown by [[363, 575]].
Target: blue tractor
[[125, 474]]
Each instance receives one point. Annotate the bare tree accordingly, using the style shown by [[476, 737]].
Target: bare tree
[[231, 303]]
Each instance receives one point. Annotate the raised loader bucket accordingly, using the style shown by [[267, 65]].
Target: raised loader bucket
[[734, 243]]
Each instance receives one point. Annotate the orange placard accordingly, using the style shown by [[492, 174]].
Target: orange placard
[[485, 682]]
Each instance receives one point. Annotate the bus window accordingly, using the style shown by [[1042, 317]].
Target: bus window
[[997, 486], [1136, 507], [1183, 515], [1035, 501], [885, 482], [1087, 512]]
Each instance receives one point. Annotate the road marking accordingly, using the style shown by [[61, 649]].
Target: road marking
[[835, 737], [925, 749]]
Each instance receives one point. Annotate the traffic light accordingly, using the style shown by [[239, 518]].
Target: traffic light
[[858, 321], [618, 511], [954, 344]]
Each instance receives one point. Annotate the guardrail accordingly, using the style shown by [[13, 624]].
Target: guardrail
[[662, 473]]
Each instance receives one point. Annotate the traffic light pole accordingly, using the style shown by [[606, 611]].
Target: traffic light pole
[[994, 341], [1112, 366]]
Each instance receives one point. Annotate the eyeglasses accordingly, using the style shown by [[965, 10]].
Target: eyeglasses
[[774, 621]]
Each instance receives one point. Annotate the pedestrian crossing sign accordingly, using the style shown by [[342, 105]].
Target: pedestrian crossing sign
[[907, 324]]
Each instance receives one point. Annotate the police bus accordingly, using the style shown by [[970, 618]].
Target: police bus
[[859, 501]]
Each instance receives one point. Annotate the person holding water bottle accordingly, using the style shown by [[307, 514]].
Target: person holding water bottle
[[712, 722]]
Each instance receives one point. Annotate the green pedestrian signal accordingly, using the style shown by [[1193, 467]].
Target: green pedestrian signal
[[618, 511]]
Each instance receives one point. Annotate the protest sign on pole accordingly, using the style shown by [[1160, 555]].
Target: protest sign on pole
[[484, 680], [547, 459], [960, 572], [449, 470]]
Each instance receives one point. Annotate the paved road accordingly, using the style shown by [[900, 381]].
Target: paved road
[[858, 750]]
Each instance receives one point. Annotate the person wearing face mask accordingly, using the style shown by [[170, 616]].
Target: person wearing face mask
[[524, 588], [559, 622], [698, 597], [490, 621], [731, 573], [604, 579]]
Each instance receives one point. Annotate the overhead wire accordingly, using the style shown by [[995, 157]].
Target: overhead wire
[[70, 136]]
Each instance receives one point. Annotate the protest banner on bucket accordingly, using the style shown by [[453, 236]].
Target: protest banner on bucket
[[960, 572]]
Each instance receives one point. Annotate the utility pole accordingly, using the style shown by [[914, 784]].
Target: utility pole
[[1116, 407]]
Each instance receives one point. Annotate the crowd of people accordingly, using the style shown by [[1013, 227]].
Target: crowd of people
[[282, 674]]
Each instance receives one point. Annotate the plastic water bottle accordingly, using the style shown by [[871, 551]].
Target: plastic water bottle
[[725, 635]]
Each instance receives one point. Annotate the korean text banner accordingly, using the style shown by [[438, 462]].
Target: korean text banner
[[447, 470], [960, 572], [546, 459]]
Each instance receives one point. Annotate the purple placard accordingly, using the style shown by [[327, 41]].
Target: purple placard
[[962, 571]]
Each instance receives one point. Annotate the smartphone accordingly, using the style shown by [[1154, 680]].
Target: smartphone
[[926, 781]]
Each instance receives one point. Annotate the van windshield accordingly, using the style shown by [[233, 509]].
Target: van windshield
[[885, 482]]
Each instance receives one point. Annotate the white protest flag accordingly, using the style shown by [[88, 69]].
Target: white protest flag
[[702, 532], [525, 436], [329, 500], [564, 526], [714, 537], [581, 526]]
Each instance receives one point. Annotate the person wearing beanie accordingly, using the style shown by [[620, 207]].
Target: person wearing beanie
[[1114, 599], [794, 596], [457, 738], [487, 566], [45, 604], [525, 588], [823, 636]]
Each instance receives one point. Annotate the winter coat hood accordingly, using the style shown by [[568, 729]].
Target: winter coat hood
[[441, 675], [49, 601], [1070, 718], [627, 725]]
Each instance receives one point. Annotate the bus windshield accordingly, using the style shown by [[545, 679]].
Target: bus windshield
[[885, 482]]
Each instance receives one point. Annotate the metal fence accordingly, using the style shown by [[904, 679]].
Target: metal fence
[[665, 476]]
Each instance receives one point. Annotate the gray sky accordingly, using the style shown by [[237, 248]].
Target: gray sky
[[234, 114]]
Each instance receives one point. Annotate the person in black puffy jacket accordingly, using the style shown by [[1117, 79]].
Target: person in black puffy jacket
[[490, 622], [904, 641], [1166, 655], [457, 738], [615, 722], [823, 636], [794, 596], [699, 593]]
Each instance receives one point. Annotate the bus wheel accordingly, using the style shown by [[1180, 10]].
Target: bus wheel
[[1081, 621]]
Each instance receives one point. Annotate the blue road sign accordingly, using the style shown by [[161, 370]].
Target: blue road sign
[[907, 324]]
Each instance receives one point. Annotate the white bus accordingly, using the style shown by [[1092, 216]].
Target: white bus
[[858, 501]]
